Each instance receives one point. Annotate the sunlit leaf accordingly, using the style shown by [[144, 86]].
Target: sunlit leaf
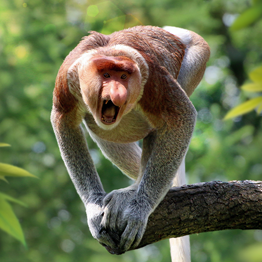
[[3, 178], [252, 252], [247, 18], [9, 222], [244, 108], [259, 109], [9, 198], [256, 75], [9, 170], [253, 87], [4, 145]]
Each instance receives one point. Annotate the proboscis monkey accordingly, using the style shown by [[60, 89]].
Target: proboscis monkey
[[131, 85]]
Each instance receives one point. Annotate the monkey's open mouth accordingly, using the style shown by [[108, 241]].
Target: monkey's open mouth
[[109, 112]]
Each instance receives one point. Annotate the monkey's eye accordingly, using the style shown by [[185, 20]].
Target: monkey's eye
[[106, 75], [124, 76]]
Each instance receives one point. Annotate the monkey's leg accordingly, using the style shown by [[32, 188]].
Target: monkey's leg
[[194, 62]]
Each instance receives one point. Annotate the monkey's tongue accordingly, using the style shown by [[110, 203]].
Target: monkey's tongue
[[109, 112]]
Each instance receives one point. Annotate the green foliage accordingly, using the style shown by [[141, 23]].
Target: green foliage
[[4, 145], [249, 16], [8, 220], [35, 37], [9, 170], [251, 253], [98, 15], [254, 103]]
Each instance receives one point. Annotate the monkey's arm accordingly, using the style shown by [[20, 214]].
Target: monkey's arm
[[128, 209], [74, 151]]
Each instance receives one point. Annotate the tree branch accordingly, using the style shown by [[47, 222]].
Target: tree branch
[[205, 207]]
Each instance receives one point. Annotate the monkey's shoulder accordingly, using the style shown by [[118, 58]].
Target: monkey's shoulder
[[132, 127]]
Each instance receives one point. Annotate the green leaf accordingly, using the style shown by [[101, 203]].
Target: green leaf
[[3, 178], [259, 109], [248, 17], [244, 108], [256, 75], [9, 170], [4, 145], [253, 87], [9, 222], [9, 198]]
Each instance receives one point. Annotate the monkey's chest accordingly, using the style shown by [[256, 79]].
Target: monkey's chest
[[133, 127]]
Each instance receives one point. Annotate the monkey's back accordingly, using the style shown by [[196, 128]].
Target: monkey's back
[[155, 44]]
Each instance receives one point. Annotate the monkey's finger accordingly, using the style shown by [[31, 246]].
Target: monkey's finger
[[114, 215], [111, 215], [105, 222], [128, 236], [138, 237], [105, 239], [107, 199]]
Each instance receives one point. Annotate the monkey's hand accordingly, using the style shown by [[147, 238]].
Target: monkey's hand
[[127, 214], [95, 213]]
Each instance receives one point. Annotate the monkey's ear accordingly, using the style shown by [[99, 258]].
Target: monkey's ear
[[73, 81], [63, 100], [67, 94]]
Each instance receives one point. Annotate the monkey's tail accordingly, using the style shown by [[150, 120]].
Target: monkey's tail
[[180, 246], [180, 249]]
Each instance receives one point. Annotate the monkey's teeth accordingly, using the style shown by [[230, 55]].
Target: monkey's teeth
[[109, 112], [108, 120]]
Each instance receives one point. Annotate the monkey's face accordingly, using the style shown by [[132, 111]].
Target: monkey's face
[[110, 87]]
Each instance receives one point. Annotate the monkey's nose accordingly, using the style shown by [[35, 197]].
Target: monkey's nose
[[118, 95]]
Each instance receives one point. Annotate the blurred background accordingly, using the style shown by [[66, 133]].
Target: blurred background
[[35, 37]]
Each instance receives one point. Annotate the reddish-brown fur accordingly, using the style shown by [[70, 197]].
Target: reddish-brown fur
[[148, 42], [63, 100]]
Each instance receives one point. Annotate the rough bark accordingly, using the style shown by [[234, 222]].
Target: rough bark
[[205, 207]]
